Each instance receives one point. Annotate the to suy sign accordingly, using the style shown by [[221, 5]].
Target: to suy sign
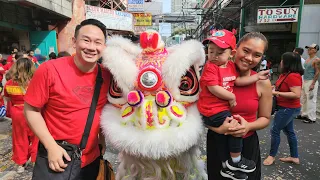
[[277, 15]]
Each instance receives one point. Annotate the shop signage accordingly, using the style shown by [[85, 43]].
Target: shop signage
[[277, 15], [139, 29], [135, 5], [116, 20], [142, 19]]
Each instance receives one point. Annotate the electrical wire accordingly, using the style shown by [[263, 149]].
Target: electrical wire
[[205, 17]]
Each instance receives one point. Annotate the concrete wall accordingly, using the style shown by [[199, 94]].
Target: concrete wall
[[310, 26], [24, 41], [61, 7], [66, 31]]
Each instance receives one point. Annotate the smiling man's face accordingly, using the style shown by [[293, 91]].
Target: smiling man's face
[[89, 43]]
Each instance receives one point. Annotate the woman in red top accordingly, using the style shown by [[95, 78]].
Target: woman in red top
[[288, 102], [24, 142], [254, 104]]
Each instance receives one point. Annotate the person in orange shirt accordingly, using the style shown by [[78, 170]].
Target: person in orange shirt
[[24, 142]]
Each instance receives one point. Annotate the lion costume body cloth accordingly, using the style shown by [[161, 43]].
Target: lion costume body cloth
[[152, 118]]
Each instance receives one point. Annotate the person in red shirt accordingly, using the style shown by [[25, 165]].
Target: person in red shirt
[[33, 58], [216, 99], [11, 62], [14, 50], [288, 102], [253, 109], [59, 97], [24, 142], [8, 75]]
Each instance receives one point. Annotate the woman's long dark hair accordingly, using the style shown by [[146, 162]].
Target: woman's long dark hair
[[291, 62]]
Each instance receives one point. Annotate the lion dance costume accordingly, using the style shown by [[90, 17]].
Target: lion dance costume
[[152, 118]]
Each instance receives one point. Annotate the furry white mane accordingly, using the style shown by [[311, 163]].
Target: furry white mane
[[119, 56], [162, 143], [180, 59]]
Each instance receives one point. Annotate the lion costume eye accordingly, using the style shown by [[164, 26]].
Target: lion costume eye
[[189, 85], [185, 84], [114, 91]]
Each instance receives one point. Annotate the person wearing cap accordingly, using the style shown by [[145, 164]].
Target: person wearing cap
[[216, 99], [310, 85]]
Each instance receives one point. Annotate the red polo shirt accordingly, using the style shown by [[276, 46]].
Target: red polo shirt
[[65, 93]]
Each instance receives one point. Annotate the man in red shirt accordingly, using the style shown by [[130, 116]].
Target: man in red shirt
[[59, 96], [32, 57]]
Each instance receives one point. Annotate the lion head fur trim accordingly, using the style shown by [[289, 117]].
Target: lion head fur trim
[[180, 59], [119, 56]]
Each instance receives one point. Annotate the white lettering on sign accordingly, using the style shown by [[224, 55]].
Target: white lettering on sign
[[277, 15], [230, 78]]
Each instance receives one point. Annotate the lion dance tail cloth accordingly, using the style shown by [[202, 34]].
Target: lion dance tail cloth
[[153, 119]]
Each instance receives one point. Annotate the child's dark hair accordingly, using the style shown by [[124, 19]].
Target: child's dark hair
[[93, 22], [254, 35], [299, 51], [291, 62]]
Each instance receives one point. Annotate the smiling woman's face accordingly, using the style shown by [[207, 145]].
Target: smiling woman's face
[[249, 54]]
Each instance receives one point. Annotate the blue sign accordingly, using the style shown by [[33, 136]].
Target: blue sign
[[135, 5]]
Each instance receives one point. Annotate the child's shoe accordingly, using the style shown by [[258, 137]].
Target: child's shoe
[[234, 175], [244, 165]]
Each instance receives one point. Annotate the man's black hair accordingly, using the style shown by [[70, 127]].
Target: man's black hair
[[291, 63], [299, 50], [93, 22]]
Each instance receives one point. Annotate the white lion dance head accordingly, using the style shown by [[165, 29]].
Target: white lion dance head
[[153, 119]]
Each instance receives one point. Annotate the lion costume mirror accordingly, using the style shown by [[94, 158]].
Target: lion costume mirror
[[152, 118]]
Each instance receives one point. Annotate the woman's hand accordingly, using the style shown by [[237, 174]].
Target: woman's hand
[[229, 122], [240, 130]]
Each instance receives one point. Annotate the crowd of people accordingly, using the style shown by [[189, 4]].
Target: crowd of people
[[15, 74], [56, 98]]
